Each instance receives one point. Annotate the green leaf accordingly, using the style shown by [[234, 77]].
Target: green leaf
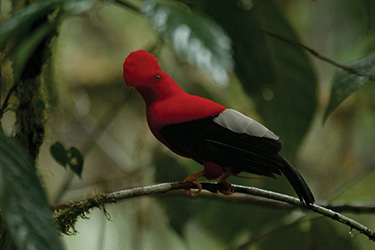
[[346, 83], [23, 202], [15, 26], [277, 75], [71, 157], [59, 153], [75, 161], [197, 39], [31, 26], [28, 45]]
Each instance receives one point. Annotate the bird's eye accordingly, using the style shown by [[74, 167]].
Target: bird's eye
[[157, 78]]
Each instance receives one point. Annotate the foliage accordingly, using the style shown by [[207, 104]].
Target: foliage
[[71, 157], [23, 203], [197, 39], [223, 50], [345, 83], [277, 75]]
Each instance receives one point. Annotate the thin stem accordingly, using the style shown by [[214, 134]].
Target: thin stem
[[317, 55], [349, 183], [111, 113], [6, 100], [355, 208], [267, 230]]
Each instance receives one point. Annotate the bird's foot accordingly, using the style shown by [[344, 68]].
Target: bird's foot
[[223, 180], [192, 179], [195, 193], [229, 189]]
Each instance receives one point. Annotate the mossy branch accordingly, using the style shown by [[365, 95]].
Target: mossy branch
[[67, 214]]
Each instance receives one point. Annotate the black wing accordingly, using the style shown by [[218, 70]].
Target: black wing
[[206, 140]]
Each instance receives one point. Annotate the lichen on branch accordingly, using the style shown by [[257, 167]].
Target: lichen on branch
[[67, 215]]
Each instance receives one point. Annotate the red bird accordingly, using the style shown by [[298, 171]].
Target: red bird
[[223, 140]]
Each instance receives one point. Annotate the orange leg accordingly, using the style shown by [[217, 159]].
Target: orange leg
[[223, 180], [192, 178]]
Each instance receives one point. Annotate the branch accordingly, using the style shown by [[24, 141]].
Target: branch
[[67, 214], [317, 55], [358, 208]]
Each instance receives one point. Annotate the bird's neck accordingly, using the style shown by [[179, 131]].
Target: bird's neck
[[158, 94]]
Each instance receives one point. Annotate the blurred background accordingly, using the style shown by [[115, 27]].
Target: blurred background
[[90, 108]]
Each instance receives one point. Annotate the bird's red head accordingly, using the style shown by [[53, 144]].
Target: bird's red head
[[141, 68], [142, 72]]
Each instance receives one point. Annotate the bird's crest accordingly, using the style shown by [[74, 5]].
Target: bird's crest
[[139, 67]]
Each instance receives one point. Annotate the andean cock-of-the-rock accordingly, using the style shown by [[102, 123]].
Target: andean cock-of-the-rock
[[223, 140]]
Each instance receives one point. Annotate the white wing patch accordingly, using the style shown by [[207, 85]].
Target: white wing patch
[[239, 123]]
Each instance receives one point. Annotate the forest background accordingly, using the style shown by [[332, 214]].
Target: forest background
[[305, 69]]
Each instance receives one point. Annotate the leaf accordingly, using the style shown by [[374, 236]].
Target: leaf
[[75, 161], [23, 202], [71, 157], [346, 83], [278, 76], [23, 19], [58, 153], [31, 27], [28, 45], [198, 40]]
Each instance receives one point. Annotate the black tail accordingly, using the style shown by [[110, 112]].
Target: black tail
[[303, 191]]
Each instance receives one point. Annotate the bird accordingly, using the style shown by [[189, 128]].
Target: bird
[[223, 140]]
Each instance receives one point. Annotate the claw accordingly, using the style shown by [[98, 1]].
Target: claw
[[229, 190], [192, 178], [191, 193], [223, 180]]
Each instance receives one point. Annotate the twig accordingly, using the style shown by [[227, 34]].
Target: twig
[[64, 187], [212, 187], [352, 208], [317, 55], [96, 132], [356, 208], [267, 230], [352, 181], [6, 100]]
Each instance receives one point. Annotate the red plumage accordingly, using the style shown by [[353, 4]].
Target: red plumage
[[166, 102]]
